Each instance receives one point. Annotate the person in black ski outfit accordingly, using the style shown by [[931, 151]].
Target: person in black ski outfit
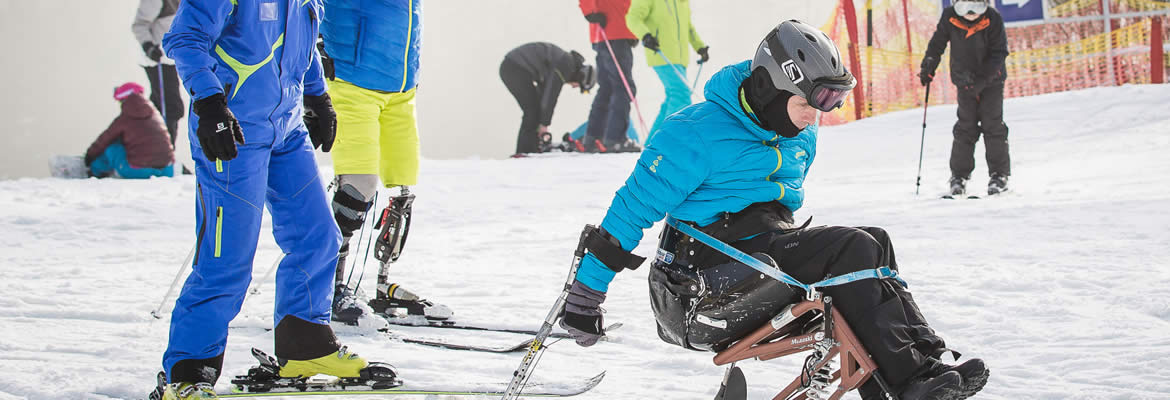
[[734, 166], [535, 73], [978, 49]]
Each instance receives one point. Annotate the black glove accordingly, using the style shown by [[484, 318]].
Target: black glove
[[321, 121], [926, 75], [650, 42], [218, 130], [152, 51], [596, 18], [703, 53], [582, 315], [326, 61], [968, 81]]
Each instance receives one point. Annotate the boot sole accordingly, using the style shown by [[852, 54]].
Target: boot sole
[[973, 385]]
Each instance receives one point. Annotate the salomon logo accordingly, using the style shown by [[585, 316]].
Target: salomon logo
[[220, 127], [793, 71]]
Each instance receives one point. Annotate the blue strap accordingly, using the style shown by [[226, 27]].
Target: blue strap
[[776, 273]]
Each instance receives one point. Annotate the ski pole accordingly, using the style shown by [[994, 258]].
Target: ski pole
[[536, 349], [700, 73], [626, 83], [157, 312], [681, 75], [162, 97], [922, 143], [256, 287]]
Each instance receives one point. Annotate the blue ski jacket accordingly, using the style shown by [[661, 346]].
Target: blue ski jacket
[[237, 47], [708, 159], [374, 44]]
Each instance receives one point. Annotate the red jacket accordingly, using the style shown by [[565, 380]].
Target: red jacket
[[143, 133], [615, 18]]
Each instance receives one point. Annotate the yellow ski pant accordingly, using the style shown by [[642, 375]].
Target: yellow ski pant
[[377, 133]]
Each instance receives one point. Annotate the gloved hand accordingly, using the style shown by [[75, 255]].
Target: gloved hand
[[152, 51], [218, 130], [326, 61], [582, 315], [926, 75], [596, 18], [650, 42], [703, 53], [321, 121]]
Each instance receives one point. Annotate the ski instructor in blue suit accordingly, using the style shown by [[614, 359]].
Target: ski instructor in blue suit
[[734, 167], [259, 99]]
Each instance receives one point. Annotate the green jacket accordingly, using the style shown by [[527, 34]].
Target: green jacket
[[670, 22]]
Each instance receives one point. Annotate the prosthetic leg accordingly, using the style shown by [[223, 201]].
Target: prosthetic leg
[[392, 300]]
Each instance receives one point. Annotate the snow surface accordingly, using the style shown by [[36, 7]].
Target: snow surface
[[1061, 285]]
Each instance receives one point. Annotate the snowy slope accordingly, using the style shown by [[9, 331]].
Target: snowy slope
[[1061, 285]]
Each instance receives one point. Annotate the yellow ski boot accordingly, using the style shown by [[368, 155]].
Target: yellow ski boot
[[341, 364], [189, 391]]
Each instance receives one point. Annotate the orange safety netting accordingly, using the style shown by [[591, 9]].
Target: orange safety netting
[[1045, 58]]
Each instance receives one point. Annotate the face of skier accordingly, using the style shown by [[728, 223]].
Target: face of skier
[[970, 9], [801, 113]]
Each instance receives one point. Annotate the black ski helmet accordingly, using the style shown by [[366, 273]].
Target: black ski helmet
[[588, 77], [802, 60]]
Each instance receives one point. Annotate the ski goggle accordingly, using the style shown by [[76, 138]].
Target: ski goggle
[[970, 7], [829, 94]]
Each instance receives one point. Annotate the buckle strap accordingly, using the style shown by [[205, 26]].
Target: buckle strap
[[609, 251]]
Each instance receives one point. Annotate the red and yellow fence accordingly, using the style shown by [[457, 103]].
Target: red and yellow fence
[[888, 40]]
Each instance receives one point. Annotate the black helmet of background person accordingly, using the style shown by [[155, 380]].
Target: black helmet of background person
[[802, 60], [587, 77]]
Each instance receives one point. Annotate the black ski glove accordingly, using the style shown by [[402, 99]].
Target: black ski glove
[[152, 51], [326, 61], [321, 121], [218, 130], [582, 315], [926, 75], [703, 53], [650, 42], [596, 18]]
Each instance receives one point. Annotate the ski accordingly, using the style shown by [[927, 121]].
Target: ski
[[539, 390], [448, 324], [519, 346]]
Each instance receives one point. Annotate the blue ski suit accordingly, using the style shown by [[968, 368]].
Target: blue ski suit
[[261, 55], [709, 158]]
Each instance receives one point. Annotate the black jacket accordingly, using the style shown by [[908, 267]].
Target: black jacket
[[978, 48], [550, 67]]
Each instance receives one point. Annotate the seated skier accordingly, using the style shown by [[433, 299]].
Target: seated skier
[[734, 166], [136, 145]]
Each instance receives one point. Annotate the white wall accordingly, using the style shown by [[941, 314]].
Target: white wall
[[64, 57]]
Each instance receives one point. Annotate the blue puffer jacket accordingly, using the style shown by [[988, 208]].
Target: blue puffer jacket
[[237, 47], [374, 43], [708, 159]]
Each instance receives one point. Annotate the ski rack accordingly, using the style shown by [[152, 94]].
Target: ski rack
[[536, 349], [788, 333]]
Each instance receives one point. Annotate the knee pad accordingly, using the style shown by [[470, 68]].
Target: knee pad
[[351, 201]]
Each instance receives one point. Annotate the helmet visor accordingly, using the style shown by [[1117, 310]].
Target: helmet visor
[[970, 7], [828, 95]]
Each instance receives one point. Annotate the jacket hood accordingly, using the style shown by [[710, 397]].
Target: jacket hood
[[723, 89], [137, 107]]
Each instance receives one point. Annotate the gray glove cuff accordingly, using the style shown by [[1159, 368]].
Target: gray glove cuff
[[583, 300]]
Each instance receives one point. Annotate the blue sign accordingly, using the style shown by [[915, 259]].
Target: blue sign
[[1016, 10]]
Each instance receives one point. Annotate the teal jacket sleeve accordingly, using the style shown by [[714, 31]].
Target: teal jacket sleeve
[[670, 168], [194, 32]]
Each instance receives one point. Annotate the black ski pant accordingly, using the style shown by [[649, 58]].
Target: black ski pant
[[167, 89], [980, 112], [523, 87], [882, 313], [610, 116]]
